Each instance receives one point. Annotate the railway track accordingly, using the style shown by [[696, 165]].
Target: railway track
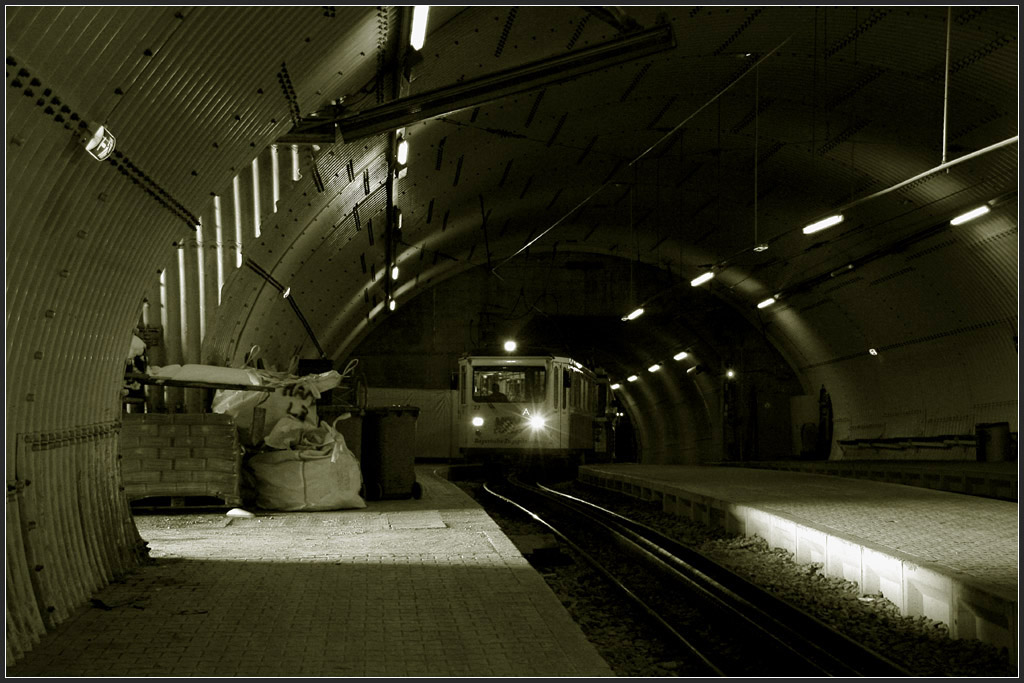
[[720, 623]]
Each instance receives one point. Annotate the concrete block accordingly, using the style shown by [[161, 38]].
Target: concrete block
[[716, 515], [927, 593], [190, 464], [810, 545], [187, 418], [881, 573], [734, 521], [699, 511], [783, 534], [174, 453], [758, 523], [983, 616], [173, 430], [842, 559]]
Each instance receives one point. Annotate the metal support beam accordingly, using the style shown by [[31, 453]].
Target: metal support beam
[[404, 111]]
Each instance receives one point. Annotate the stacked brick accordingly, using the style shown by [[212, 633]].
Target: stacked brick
[[180, 455]]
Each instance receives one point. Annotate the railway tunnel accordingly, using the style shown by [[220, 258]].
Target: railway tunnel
[[305, 181]]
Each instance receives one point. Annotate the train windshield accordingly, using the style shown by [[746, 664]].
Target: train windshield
[[514, 384]]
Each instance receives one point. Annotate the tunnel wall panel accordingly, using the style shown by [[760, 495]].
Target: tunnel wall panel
[[90, 243]]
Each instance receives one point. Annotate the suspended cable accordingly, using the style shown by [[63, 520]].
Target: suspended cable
[[945, 94], [645, 153]]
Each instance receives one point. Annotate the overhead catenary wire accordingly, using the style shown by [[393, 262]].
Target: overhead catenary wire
[[644, 153]]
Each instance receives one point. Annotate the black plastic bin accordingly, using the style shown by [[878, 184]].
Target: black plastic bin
[[388, 456], [993, 442]]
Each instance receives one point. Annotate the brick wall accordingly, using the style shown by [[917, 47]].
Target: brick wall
[[179, 455]]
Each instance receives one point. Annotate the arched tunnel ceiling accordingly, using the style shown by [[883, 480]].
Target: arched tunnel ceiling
[[756, 121]]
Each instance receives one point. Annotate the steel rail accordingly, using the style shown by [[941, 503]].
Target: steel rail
[[796, 630], [632, 597]]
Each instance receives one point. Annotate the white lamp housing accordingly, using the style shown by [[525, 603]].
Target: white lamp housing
[[101, 144], [419, 26]]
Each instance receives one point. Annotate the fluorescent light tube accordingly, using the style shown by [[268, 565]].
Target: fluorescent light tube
[[970, 215], [823, 223]]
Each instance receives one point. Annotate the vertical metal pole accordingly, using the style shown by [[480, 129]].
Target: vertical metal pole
[[945, 95]]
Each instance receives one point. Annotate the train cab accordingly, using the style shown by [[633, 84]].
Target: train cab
[[525, 408]]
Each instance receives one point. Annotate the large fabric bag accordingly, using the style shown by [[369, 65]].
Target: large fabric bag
[[294, 396], [310, 477]]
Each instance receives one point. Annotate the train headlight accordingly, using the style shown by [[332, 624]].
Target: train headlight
[[537, 422], [478, 421]]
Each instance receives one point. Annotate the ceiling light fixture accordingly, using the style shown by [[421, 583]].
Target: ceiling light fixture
[[761, 247], [510, 345], [632, 378], [823, 224], [702, 278], [419, 26], [634, 315], [970, 215], [391, 305], [286, 293], [679, 356], [767, 302], [873, 352], [616, 386], [394, 273], [654, 368], [730, 373]]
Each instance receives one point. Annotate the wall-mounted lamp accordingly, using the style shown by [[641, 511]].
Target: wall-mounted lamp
[[761, 247], [634, 315], [823, 224], [873, 352], [970, 215], [391, 304], [511, 345], [419, 26], [403, 149], [730, 373], [101, 144], [394, 273], [615, 386], [286, 293]]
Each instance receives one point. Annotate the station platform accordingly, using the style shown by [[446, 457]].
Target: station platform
[[988, 479], [410, 588], [948, 556]]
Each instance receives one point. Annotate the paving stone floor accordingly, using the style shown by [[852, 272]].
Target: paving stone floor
[[404, 588]]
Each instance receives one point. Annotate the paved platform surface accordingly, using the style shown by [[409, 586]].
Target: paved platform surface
[[969, 535], [405, 588], [988, 479]]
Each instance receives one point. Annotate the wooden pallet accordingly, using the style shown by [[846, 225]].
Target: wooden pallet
[[183, 503]]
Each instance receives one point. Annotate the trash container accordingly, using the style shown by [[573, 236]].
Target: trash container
[[993, 441], [388, 455]]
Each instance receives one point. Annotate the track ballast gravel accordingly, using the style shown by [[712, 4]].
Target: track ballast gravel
[[633, 648]]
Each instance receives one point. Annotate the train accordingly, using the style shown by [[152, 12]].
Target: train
[[543, 412]]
